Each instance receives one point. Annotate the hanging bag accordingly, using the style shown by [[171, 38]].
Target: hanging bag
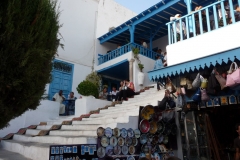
[[183, 81], [170, 86], [221, 80], [204, 95], [197, 96], [233, 77], [204, 83], [168, 115], [197, 81], [179, 102]]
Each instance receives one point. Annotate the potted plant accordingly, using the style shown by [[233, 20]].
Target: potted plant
[[140, 66]]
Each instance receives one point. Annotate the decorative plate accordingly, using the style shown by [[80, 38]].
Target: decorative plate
[[143, 139], [232, 99], [116, 132], [124, 133], [100, 131], [224, 100], [137, 133], [173, 129], [113, 141], [101, 152], [145, 148], [147, 112], [165, 139], [161, 127], [156, 156], [109, 150], [104, 141], [141, 155], [155, 139], [128, 141], [216, 102], [120, 141], [131, 149], [130, 158], [167, 129], [108, 132], [153, 127], [134, 141], [125, 150], [117, 150], [130, 132], [144, 126]]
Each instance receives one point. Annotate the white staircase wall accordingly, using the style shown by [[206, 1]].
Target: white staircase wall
[[216, 41], [45, 111]]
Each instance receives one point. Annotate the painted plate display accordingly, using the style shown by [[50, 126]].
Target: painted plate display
[[117, 150], [143, 139], [101, 152], [134, 141], [153, 127], [100, 131], [145, 148], [120, 141], [141, 155], [125, 150], [108, 132], [167, 129], [160, 139], [130, 158], [104, 141], [144, 126], [156, 156], [124, 133], [157, 116], [165, 139], [113, 141], [147, 112], [128, 141], [130, 132], [173, 129], [131, 149], [161, 127], [116, 132], [137, 133], [109, 150]]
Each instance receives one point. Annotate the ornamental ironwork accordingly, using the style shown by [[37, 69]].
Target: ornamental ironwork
[[64, 67]]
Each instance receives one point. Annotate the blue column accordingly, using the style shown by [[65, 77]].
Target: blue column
[[189, 9], [131, 30], [150, 43]]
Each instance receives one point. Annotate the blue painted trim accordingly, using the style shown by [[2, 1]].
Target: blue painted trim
[[208, 19], [215, 16], [232, 11], [208, 60], [189, 5], [223, 14], [132, 30], [116, 64]]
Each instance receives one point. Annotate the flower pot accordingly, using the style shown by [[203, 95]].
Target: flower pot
[[140, 78]]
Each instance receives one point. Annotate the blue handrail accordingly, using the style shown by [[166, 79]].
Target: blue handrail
[[125, 49], [203, 24]]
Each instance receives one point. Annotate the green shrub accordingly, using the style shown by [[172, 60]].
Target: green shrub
[[28, 43], [87, 88], [94, 78]]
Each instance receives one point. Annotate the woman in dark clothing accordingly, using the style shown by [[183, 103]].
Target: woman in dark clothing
[[127, 91]]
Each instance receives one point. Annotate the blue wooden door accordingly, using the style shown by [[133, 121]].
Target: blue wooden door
[[61, 79]]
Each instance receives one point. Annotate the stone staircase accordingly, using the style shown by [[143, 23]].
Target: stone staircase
[[34, 144]]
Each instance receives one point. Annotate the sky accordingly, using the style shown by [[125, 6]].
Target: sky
[[137, 6]]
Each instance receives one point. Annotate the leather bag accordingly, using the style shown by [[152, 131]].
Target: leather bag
[[221, 80], [197, 81], [233, 77], [204, 83], [204, 95], [168, 115], [189, 85], [197, 96], [183, 81], [170, 86]]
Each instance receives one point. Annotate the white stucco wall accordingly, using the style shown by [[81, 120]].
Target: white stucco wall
[[213, 42], [45, 111], [161, 43]]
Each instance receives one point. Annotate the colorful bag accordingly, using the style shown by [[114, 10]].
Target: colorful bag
[[233, 77], [189, 85], [183, 90], [197, 96], [197, 81], [183, 81], [204, 83], [213, 86], [221, 80], [170, 86], [204, 95]]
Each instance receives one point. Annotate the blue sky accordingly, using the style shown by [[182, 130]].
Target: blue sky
[[137, 6]]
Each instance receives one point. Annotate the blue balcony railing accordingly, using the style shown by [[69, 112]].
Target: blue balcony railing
[[125, 49], [202, 21]]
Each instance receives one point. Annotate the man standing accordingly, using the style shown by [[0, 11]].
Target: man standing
[[178, 31], [59, 97], [237, 143]]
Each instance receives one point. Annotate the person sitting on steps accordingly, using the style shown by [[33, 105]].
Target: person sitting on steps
[[103, 95], [127, 91]]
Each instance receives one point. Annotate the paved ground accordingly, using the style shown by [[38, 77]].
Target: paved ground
[[6, 155]]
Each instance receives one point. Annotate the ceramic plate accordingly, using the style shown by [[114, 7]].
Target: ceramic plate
[[161, 127], [104, 141], [101, 152], [165, 139], [100, 131], [137, 133], [131, 149], [130, 132], [155, 139], [113, 141], [117, 150], [108, 132], [120, 141], [160, 139], [130, 158], [143, 139], [116, 132], [109, 150], [125, 150], [134, 141], [147, 112], [141, 155], [144, 126], [153, 127], [124, 133], [128, 141], [145, 148]]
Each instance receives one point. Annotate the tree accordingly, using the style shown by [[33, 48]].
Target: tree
[[28, 43]]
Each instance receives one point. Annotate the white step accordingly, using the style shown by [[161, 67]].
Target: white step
[[57, 139], [7, 155], [32, 131], [81, 127], [44, 127], [131, 112], [72, 133]]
